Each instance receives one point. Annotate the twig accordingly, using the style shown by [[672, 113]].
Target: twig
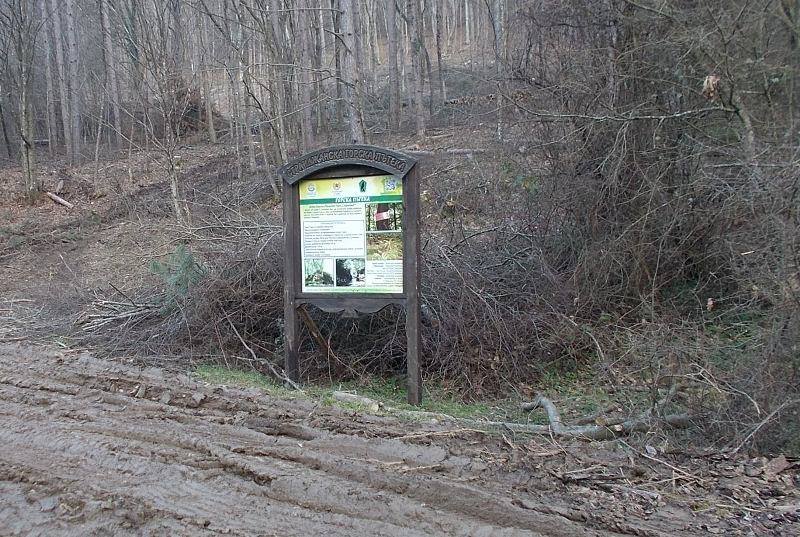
[[684, 473], [316, 333], [451, 151], [347, 397], [764, 422], [421, 468], [592, 418], [622, 118], [272, 369], [427, 434], [596, 344], [123, 294]]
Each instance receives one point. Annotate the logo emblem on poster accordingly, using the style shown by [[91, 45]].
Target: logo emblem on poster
[[362, 186], [390, 184], [312, 190], [337, 187]]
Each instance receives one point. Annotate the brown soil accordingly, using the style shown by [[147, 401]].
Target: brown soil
[[93, 447]]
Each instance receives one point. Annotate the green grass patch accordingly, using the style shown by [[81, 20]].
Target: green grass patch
[[390, 392], [575, 397], [214, 374], [576, 393]]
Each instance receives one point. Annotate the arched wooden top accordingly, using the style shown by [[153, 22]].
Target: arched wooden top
[[343, 156]]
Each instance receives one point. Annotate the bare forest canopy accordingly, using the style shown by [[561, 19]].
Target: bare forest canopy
[[612, 187]]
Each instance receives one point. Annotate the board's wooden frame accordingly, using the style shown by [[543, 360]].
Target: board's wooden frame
[[342, 162]]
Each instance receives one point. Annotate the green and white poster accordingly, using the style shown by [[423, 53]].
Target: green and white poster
[[351, 235]]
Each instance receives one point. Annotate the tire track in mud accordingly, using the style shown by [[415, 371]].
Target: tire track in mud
[[95, 447]]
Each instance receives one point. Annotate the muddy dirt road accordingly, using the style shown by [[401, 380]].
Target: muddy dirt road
[[91, 447]]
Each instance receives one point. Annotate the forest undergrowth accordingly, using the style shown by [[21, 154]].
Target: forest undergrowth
[[503, 317], [609, 202]]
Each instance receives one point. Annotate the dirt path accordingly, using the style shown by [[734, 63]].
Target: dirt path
[[90, 447]]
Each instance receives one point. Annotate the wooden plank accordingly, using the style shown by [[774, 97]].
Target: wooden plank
[[342, 303], [352, 297]]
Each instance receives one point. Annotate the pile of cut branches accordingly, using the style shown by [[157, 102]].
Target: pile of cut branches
[[105, 313]]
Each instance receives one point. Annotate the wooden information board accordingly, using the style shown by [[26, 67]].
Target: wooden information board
[[351, 232]]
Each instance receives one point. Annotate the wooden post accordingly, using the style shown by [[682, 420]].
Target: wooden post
[[291, 326], [411, 271]]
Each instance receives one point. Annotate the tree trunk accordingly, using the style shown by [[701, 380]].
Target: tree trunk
[[50, 87], [21, 32], [179, 203], [75, 104], [415, 37], [235, 119], [111, 73], [276, 111], [336, 21], [271, 176], [6, 141], [303, 29], [437, 16], [176, 43], [64, 92], [467, 23], [372, 43], [278, 93], [244, 97], [350, 77], [26, 132], [207, 97], [99, 135], [319, 59], [426, 58], [498, 25], [358, 57], [394, 82]]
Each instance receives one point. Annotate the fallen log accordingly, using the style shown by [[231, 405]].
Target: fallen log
[[59, 200], [556, 427], [602, 432], [347, 397]]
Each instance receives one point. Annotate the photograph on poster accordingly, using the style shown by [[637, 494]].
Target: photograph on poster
[[384, 216], [318, 272], [384, 246], [350, 272]]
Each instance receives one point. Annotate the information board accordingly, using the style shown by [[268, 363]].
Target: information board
[[352, 245], [351, 234]]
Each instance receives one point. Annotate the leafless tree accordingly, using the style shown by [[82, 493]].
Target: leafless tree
[[20, 26], [414, 22], [350, 70]]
